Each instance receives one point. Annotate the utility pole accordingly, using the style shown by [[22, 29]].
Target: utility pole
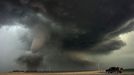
[[98, 66]]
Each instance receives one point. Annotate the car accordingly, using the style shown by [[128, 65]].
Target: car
[[114, 70]]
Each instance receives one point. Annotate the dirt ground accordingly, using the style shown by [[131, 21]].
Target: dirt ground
[[61, 73], [67, 73]]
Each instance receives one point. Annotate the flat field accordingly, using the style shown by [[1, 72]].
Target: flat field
[[67, 73]]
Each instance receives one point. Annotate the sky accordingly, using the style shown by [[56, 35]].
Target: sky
[[10, 47], [64, 35], [10, 43], [124, 56]]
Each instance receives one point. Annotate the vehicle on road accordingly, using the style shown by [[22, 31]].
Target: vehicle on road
[[114, 70]]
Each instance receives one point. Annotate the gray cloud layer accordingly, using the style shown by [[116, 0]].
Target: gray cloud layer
[[69, 25]]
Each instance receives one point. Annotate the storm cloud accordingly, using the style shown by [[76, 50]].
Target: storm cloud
[[60, 27]]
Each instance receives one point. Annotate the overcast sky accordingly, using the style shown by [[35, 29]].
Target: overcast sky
[[124, 56], [66, 34], [10, 46], [10, 50]]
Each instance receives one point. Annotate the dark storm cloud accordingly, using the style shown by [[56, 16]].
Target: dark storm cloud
[[97, 18], [31, 60], [10, 10], [108, 46], [72, 25], [128, 27], [61, 62]]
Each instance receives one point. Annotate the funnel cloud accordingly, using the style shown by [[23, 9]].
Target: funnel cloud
[[61, 28]]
